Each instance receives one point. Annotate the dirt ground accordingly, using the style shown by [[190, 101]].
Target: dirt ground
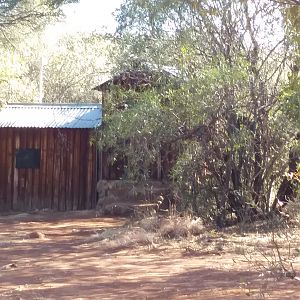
[[53, 256]]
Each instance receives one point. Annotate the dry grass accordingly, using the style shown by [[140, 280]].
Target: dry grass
[[116, 239], [272, 252], [172, 227], [130, 239], [150, 231]]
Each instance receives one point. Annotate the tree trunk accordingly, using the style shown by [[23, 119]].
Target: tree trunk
[[289, 185]]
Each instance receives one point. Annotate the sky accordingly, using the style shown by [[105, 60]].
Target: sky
[[85, 16]]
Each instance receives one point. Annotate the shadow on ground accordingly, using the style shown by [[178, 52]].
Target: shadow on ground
[[60, 265]]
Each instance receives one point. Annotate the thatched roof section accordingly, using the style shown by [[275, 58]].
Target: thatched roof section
[[136, 80]]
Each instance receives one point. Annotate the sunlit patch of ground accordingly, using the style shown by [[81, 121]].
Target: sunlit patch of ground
[[67, 260]]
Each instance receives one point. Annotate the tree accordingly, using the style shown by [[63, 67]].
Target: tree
[[77, 64], [64, 73], [226, 116], [20, 17]]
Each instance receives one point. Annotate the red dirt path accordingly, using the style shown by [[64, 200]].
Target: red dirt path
[[62, 265]]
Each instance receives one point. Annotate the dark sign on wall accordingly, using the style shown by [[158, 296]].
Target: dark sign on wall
[[28, 158]]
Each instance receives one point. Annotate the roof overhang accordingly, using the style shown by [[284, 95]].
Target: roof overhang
[[22, 115]]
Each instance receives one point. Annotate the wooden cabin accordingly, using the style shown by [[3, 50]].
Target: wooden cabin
[[47, 160]]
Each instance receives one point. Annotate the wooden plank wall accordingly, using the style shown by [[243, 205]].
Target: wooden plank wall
[[66, 178]]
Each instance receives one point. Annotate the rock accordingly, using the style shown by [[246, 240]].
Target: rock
[[9, 266], [118, 209], [35, 235]]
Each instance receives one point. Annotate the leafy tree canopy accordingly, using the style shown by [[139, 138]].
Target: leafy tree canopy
[[223, 124], [64, 73], [20, 17]]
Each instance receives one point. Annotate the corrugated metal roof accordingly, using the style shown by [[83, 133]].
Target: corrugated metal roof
[[51, 115]]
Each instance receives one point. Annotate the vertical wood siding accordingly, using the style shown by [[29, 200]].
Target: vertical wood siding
[[66, 178]]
